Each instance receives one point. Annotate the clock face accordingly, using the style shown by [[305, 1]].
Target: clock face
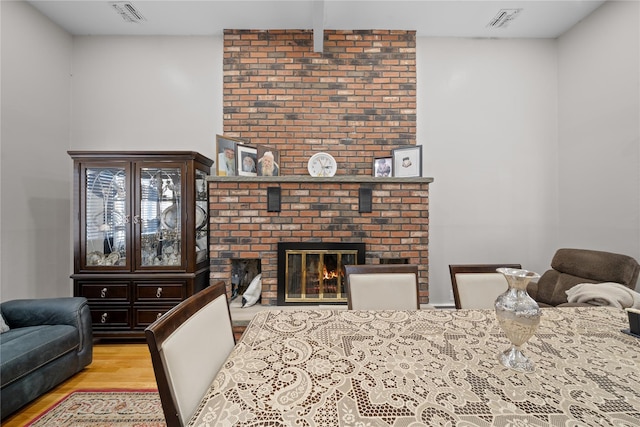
[[322, 164]]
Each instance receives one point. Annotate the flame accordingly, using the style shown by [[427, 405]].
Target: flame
[[329, 274]]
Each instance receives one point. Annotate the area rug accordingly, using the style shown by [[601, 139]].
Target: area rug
[[104, 408]]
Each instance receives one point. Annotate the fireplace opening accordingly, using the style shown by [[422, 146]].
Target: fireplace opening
[[312, 272], [243, 271]]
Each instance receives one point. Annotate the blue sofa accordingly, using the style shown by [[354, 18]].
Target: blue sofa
[[48, 340]]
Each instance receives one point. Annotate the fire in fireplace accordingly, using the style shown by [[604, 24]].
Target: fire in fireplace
[[311, 272]]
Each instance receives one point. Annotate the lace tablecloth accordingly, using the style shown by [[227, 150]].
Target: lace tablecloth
[[426, 368]]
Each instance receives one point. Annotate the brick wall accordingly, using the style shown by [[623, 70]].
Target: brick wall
[[317, 209], [355, 100]]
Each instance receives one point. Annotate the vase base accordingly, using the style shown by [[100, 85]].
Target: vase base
[[514, 359]]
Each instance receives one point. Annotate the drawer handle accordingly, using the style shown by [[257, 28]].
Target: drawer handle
[[158, 292], [103, 293], [103, 318], [158, 316]]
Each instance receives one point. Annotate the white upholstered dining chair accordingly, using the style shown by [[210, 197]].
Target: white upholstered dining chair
[[382, 287], [188, 345], [476, 286]]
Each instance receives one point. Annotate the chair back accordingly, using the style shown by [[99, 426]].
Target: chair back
[[188, 345], [476, 286], [382, 287]]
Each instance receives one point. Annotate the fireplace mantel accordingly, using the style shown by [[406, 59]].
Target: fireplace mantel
[[311, 179]]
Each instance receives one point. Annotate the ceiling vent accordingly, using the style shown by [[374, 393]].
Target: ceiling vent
[[503, 17], [127, 11]]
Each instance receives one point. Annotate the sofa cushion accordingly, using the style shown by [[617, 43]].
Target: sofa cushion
[[24, 350], [563, 284]]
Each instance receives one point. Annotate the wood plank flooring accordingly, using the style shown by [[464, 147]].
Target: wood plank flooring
[[114, 366]]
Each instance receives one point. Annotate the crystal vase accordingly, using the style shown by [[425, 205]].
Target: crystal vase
[[519, 316]]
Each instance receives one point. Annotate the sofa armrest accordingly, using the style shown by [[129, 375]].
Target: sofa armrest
[[532, 289], [43, 311], [73, 311]]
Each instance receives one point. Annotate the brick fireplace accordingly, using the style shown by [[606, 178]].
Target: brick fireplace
[[355, 100], [317, 210]]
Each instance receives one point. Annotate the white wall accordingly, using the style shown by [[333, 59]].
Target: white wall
[[35, 218], [599, 131], [487, 117], [147, 93], [534, 145]]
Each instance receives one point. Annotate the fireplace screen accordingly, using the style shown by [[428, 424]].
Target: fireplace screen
[[313, 273]]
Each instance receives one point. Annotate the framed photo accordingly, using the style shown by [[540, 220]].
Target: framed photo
[[247, 158], [226, 150], [268, 161], [407, 161], [383, 166]]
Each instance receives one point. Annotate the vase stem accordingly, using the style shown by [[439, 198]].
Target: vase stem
[[514, 358]]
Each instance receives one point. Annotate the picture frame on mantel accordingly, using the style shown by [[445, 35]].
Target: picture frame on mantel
[[407, 161], [226, 155], [383, 167], [268, 161], [247, 161]]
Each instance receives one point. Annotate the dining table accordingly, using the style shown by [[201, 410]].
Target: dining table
[[439, 367]]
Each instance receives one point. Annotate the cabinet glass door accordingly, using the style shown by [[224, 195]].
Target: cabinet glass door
[[106, 217], [160, 216], [201, 216]]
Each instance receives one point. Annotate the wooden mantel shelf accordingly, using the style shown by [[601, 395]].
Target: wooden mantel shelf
[[311, 179]]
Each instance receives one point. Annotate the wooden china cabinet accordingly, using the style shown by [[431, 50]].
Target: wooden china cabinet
[[140, 235]]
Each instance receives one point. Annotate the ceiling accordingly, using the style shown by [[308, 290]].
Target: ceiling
[[430, 18]]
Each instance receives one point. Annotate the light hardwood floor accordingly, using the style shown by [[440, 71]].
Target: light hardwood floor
[[114, 366]]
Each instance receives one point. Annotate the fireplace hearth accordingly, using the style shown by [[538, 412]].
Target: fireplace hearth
[[312, 272]]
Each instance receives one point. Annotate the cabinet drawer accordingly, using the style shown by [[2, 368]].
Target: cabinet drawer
[[108, 317], [159, 292], [145, 316], [104, 292]]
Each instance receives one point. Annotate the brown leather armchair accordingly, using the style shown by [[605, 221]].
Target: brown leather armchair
[[570, 267]]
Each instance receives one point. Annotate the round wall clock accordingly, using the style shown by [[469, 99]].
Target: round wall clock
[[322, 164]]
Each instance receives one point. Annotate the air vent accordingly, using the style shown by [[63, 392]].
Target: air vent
[[127, 11], [503, 17]]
